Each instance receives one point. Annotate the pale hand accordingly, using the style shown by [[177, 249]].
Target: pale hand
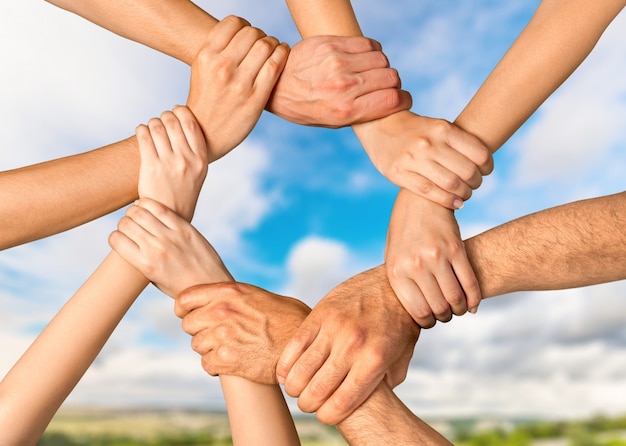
[[173, 160], [166, 248], [426, 261], [232, 77], [430, 157]]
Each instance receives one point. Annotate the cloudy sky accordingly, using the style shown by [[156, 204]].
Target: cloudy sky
[[305, 209]]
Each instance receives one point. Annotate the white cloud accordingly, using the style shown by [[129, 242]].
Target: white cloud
[[551, 353], [579, 132], [315, 266]]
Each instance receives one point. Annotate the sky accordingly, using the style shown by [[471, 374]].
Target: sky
[[298, 210]]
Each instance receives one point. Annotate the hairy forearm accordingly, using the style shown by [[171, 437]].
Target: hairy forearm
[[384, 420], [41, 200], [555, 42], [578, 244], [33, 390], [174, 27]]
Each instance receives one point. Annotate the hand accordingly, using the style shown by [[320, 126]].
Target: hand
[[239, 329], [231, 80], [430, 157], [335, 81], [166, 249], [355, 336], [426, 261], [173, 160]]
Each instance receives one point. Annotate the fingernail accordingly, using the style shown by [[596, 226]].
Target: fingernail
[[281, 380], [473, 310], [458, 204]]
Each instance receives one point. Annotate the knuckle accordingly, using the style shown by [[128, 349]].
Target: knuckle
[[208, 365], [441, 127]]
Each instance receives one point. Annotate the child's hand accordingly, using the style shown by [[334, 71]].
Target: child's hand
[[426, 261], [232, 78], [173, 160], [430, 157], [166, 249]]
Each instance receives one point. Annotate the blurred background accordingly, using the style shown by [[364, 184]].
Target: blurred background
[[298, 210]]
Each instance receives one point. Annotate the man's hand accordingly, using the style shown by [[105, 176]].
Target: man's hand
[[239, 329], [333, 81], [355, 336], [430, 157], [232, 78], [426, 261]]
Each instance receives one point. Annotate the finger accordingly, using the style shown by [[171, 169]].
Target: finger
[[468, 281], [174, 131], [191, 130], [447, 177], [149, 217], [299, 343], [380, 103], [158, 133], [353, 45], [305, 367], [123, 245], [155, 214], [202, 341], [270, 72], [258, 56], [413, 301], [194, 297], [434, 296], [147, 150], [242, 43], [324, 383], [425, 188], [452, 291], [354, 390], [473, 148], [224, 31], [372, 63]]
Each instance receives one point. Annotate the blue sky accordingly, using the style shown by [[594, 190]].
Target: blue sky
[[298, 210]]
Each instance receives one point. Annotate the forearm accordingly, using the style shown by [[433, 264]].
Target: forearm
[[578, 244], [554, 43], [174, 27], [41, 200], [324, 17], [37, 385], [257, 413], [384, 420]]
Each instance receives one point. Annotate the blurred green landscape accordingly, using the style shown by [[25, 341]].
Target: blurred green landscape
[[99, 427]]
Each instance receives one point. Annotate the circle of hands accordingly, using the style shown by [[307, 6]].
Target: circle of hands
[[363, 332]]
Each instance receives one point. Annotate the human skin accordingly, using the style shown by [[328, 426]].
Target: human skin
[[430, 270], [233, 322], [514, 90], [174, 159], [40, 200], [230, 322], [36, 386]]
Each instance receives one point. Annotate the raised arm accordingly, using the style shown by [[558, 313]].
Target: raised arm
[[555, 42], [558, 38], [31, 393], [430, 157]]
